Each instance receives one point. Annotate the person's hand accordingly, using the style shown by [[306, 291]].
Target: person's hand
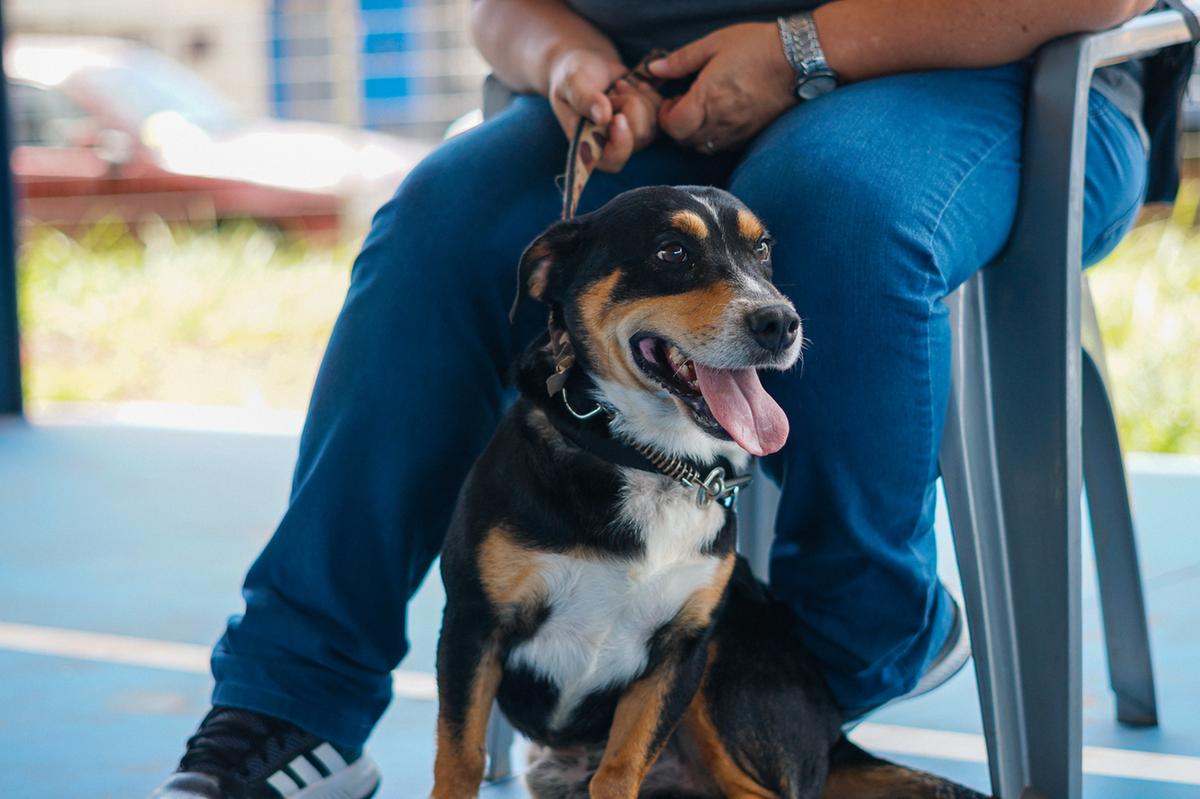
[[745, 82], [578, 80]]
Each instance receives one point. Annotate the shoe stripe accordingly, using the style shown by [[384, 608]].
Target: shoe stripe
[[295, 777], [329, 757], [316, 763], [281, 782], [305, 771]]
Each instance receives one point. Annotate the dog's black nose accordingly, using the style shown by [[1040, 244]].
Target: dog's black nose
[[774, 327]]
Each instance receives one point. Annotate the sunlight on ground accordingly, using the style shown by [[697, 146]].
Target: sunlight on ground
[[239, 316]]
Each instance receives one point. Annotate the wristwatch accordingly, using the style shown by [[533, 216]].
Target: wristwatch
[[803, 50]]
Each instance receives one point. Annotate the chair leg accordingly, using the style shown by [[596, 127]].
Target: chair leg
[[499, 746], [971, 483], [1036, 405], [756, 506], [1122, 602], [1031, 296]]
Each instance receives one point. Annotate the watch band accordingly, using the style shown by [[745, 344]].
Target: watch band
[[802, 47]]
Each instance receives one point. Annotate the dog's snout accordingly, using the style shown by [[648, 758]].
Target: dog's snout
[[774, 327]]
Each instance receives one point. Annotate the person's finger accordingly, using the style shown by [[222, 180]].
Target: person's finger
[[619, 147], [641, 113], [682, 117], [644, 91], [568, 115], [685, 60], [586, 100]]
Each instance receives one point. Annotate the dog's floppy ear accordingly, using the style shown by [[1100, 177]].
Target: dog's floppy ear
[[542, 264]]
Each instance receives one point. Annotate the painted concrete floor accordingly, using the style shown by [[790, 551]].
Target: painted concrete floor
[[121, 553]]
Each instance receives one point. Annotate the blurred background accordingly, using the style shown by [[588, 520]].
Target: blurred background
[[194, 184], [194, 179]]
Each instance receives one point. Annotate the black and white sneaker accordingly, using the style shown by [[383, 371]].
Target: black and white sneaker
[[239, 754]]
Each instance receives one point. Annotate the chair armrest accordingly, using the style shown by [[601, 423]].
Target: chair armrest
[[1141, 36], [1051, 195]]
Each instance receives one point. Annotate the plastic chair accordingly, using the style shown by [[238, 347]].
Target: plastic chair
[[1029, 388], [1029, 419]]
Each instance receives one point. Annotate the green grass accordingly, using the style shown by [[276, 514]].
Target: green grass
[[239, 316], [1148, 301], [232, 316]]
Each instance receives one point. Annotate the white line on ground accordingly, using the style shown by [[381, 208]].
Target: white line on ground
[[1099, 760], [888, 738], [170, 416], [170, 655]]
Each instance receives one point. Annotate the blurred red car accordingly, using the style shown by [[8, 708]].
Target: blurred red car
[[105, 126]]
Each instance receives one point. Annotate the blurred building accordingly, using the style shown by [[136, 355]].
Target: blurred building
[[221, 40], [405, 66]]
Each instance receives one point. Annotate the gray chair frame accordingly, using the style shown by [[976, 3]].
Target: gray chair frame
[[1029, 385]]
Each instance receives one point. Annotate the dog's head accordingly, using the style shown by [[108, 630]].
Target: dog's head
[[667, 295]]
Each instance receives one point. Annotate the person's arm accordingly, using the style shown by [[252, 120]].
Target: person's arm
[[745, 80], [867, 38], [522, 39], [543, 46]]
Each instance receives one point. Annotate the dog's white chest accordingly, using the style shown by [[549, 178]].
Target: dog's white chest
[[603, 612]]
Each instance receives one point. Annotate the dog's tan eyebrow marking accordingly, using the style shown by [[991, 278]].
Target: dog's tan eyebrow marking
[[749, 226], [690, 222]]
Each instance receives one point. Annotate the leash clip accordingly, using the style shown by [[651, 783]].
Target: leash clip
[[712, 487], [715, 486]]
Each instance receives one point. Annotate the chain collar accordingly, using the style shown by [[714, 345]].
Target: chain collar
[[713, 486]]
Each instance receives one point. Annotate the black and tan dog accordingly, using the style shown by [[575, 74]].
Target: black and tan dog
[[591, 577]]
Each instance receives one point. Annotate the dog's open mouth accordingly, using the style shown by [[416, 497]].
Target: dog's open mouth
[[728, 403]]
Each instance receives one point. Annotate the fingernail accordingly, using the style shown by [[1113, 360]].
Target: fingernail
[[656, 64], [595, 112]]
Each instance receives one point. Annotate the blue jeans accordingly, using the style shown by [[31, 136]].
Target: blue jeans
[[883, 196]]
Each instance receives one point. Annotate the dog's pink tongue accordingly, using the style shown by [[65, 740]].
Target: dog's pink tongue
[[746, 411]]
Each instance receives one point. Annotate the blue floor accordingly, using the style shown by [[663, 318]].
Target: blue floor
[[146, 532]]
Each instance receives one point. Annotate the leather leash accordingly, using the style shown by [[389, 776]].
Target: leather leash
[[589, 140]]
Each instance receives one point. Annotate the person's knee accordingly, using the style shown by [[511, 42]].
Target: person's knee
[[843, 218]]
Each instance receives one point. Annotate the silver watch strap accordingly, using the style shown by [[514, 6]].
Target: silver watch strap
[[802, 47]]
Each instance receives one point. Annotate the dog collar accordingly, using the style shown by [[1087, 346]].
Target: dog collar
[[591, 431]]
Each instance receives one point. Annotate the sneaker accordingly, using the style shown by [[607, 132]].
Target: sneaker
[[239, 754], [950, 659]]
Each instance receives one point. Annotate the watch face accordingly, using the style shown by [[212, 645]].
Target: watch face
[[815, 86]]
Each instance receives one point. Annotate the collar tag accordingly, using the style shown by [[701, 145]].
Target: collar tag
[[557, 381]]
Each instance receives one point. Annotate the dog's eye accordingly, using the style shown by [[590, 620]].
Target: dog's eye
[[763, 250], [672, 253]]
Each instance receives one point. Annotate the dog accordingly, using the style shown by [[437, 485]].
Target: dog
[[592, 581]]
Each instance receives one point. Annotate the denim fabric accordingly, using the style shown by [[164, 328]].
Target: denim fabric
[[883, 196]]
